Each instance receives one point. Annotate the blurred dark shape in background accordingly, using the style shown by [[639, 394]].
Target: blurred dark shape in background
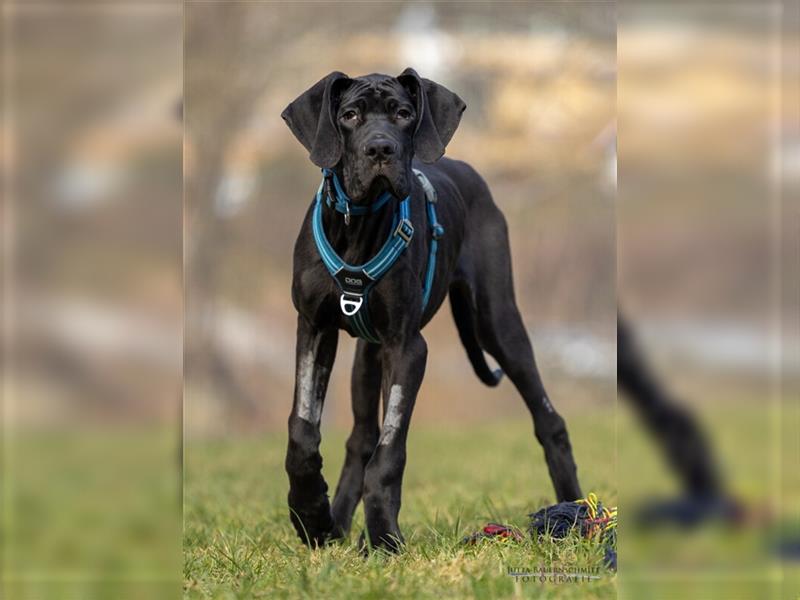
[[707, 237], [91, 171], [673, 428]]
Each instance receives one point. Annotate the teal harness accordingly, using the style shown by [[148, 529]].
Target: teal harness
[[355, 282]]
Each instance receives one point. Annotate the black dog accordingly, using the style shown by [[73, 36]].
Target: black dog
[[369, 132]]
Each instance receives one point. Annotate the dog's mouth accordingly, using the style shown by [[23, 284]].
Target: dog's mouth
[[365, 187], [380, 184]]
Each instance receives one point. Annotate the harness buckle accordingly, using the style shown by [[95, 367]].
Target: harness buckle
[[350, 305], [405, 230]]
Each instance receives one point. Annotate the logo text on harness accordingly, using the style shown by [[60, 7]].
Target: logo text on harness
[[353, 281]]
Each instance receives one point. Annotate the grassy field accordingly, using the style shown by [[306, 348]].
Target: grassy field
[[239, 542]]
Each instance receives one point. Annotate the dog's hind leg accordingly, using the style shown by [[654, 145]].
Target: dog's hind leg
[[309, 507], [502, 334], [505, 338], [365, 385]]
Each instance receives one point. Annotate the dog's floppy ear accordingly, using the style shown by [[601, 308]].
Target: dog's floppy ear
[[438, 114], [311, 119]]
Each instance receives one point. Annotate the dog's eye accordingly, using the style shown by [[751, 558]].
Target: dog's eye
[[403, 114], [349, 115]]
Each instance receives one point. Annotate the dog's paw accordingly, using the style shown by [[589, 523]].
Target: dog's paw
[[315, 527]]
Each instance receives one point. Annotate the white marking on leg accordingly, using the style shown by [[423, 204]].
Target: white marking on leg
[[391, 421], [308, 405], [547, 405]]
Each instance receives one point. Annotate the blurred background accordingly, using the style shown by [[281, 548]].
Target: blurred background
[[539, 81], [92, 300], [707, 276]]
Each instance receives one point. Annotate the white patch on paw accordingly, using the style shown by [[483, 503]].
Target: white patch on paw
[[393, 417]]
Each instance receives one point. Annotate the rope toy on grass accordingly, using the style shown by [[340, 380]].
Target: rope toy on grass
[[586, 515]]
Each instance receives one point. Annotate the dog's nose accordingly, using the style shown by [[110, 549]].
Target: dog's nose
[[380, 149]]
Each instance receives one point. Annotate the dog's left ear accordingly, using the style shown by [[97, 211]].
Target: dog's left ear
[[311, 119], [438, 114]]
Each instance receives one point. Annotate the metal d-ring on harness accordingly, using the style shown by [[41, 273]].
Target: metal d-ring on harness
[[354, 281]]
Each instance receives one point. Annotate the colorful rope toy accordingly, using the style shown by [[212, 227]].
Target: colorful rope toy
[[588, 515]]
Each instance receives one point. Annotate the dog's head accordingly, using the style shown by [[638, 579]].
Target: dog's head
[[373, 126]]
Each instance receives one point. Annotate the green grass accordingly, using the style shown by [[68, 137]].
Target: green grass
[[239, 542], [90, 513]]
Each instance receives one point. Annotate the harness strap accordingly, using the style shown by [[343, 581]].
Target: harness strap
[[355, 281]]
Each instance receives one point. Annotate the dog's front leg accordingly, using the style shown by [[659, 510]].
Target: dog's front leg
[[403, 369], [308, 493], [365, 386]]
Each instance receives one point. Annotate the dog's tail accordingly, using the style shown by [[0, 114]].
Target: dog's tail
[[464, 316]]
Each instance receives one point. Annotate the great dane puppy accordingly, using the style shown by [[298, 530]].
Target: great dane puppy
[[371, 131]]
